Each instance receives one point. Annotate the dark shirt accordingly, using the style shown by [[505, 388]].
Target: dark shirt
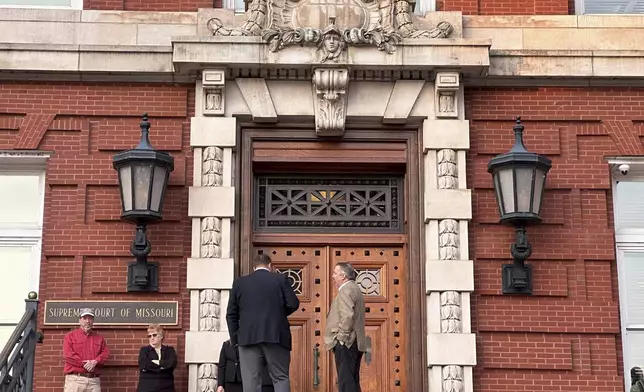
[[153, 377]]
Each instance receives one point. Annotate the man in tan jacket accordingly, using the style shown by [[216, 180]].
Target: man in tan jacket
[[345, 331]]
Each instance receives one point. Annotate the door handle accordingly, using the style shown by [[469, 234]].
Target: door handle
[[316, 368]]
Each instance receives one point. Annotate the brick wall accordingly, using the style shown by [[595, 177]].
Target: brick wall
[[85, 246], [567, 335], [505, 7], [151, 5]]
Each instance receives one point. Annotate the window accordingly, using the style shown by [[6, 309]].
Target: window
[[583, 7], [47, 4], [22, 186], [238, 5], [331, 204], [629, 240], [424, 6]]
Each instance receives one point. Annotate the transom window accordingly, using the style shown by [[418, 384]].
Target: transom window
[[329, 204]]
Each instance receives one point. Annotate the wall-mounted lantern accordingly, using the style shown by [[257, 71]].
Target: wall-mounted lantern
[[519, 180], [143, 174]]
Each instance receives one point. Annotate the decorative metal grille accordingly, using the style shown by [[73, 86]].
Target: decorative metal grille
[[328, 204], [294, 276], [369, 281]]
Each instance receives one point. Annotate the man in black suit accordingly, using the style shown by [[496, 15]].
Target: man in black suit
[[257, 318]]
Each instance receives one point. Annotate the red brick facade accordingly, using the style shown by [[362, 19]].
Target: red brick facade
[[506, 7], [85, 246], [151, 5], [567, 335], [468, 7]]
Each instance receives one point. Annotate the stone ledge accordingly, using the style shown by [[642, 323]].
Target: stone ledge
[[211, 201], [85, 58], [440, 134], [213, 131], [449, 275], [553, 21], [204, 346], [567, 63], [448, 204], [210, 273], [190, 53], [451, 349], [154, 63]]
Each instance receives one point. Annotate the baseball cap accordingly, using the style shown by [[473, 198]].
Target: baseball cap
[[86, 312]]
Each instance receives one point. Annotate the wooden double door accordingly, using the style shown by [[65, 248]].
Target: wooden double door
[[382, 278]]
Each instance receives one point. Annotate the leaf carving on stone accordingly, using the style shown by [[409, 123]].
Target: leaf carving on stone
[[212, 166], [448, 238], [209, 310], [207, 377], [210, 237], [453, 378], [447, 169], [451, 312]]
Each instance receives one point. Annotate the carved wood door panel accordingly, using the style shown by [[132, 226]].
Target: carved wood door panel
[[307, 269], [381, 276]]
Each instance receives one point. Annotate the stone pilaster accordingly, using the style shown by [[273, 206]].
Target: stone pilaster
[[211, 206], [451, 347]]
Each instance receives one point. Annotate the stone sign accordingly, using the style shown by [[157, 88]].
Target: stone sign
[[113, 312]]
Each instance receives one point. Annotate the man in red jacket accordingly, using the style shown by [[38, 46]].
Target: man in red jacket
[[85, 353]]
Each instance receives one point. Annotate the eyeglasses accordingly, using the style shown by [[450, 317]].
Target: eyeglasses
[[152, 335]]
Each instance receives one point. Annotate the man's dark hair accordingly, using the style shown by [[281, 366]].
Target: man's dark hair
[[261, 260], [348, 270]]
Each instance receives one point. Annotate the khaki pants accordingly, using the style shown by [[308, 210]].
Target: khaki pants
[[74, 383]]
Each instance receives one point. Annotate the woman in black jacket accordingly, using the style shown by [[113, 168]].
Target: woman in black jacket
[[229, 374], [156, 363]]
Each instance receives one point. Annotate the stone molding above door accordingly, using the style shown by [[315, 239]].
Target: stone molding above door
[[410, 103]]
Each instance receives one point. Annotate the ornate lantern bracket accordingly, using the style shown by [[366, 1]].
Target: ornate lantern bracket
[[143, 175], [519, 178]]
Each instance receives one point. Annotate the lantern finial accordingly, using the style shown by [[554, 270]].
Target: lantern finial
[[518, 136], [144, 144]]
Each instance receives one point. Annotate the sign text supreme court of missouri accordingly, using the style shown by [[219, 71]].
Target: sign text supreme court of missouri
[[113, 312]]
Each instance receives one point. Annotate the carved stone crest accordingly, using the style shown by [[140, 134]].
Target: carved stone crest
[[334, 24], [331, 101]]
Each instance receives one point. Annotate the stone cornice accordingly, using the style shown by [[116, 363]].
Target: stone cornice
[[248, 55], [470, 56]]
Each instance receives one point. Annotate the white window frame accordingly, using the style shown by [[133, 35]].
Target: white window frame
[[75, 5], [626, 240], [230, 5], [424, 6], [580, 9], [26, 163]]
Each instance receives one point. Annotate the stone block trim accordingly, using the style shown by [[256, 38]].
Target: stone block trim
[[449, 275], [211, 204], [449, 279]]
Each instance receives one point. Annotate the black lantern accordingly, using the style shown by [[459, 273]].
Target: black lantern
[[143, 174], [519, 178]]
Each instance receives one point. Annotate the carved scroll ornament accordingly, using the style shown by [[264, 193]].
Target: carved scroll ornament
[[380, 23], [331, 101]]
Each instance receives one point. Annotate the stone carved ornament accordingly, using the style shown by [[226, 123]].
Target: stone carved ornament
[[331, 101], [453, 379], [209, 316], [451, 312], [332, 25], [207, 376]]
